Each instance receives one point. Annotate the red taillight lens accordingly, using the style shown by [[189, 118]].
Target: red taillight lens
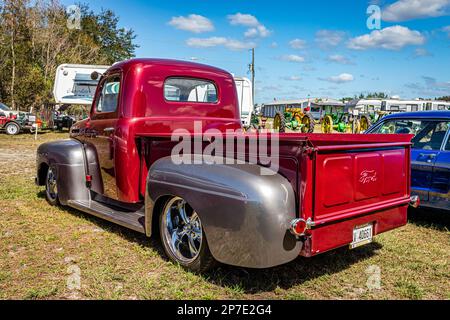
[[298, 227]]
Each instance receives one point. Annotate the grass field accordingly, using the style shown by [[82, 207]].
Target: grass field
[[43, 249]]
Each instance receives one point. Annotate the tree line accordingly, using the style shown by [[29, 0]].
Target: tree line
[[38, 35]]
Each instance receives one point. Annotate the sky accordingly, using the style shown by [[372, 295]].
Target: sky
[[328, 49]]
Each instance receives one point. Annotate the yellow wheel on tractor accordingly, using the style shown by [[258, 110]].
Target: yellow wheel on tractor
[[279, 122], [356, 126], [327, 124], [365, 122], [307, 123]]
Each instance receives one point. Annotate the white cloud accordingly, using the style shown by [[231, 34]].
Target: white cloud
[[259, 31], [339, 59], [329, 38], [256, 29], [391, 38], [342, 78], [447, 29], [422, 52], [274, 45], [404, 10], [292, 78], [297, 44], [293, 58], [430, 87], [231, 44], [240, 19], [193, 23]]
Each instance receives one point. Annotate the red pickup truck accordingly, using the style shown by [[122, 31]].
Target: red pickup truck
[[327, 191]]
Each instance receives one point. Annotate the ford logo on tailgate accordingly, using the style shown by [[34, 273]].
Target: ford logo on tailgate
[[367, 176]]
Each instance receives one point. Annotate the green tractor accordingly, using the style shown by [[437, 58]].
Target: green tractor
[[293, 119], [367, 119], [335, 119]]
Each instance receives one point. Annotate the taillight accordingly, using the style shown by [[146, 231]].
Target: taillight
[[88, 180], [414, 201], [298, 227]]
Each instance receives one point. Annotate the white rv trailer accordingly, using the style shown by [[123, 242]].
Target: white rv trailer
[[364, 106], [245, 97], [73, 84], [396, 105], [437, 105]]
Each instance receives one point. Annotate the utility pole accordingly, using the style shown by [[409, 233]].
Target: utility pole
[[251, 68]]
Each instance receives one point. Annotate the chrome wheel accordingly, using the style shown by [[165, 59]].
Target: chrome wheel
[[12, 129], [181, 230], [51, 186]]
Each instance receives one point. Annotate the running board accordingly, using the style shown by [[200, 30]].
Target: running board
[[129, 219]]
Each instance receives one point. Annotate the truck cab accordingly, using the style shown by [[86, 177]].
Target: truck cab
[[238, 209]]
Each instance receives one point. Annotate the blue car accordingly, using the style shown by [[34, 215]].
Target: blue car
[[430, 155]]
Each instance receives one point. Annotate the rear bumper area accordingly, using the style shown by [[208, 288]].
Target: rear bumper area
[[340, 233]]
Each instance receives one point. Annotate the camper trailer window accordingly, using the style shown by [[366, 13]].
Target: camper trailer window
[[190, 90], [109, 96], [395, 108]]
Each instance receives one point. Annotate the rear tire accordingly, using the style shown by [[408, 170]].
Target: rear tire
[[308, 123], [12, 128], [183, 238], [365, 122], [51, 186], [279, 122]]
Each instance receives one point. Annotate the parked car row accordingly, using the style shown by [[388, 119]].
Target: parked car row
[[13, 122]]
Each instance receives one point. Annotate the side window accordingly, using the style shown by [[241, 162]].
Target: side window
[[190, 90], [109, 96], [431, 136]]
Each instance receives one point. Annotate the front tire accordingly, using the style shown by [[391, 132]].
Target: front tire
[[51, 186], [12, 129], [183, 237]]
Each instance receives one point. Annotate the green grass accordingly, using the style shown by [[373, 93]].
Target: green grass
[[39, 245]]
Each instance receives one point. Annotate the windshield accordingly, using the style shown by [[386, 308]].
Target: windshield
[[428, 134], [3, 107]]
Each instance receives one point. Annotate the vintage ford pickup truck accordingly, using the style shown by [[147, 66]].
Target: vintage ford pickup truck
[[328, 190]]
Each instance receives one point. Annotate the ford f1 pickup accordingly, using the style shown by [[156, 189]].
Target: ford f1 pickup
[[327, 191]]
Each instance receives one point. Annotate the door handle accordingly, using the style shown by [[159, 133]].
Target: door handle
[[108, 130], [429, 155]]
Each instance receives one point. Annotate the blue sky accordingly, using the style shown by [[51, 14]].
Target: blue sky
[[320, 48]]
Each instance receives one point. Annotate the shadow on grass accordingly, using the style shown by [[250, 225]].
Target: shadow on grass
[[300, 270], [430, 218], [251, 281]]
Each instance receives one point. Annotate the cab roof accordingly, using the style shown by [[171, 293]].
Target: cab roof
[[166, 63]]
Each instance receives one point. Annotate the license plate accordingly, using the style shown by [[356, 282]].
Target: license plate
[[362, 235]]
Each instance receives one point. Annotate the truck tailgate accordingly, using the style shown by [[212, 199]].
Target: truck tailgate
[[352, 180]]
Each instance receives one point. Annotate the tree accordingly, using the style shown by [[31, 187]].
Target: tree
[[35, 39]]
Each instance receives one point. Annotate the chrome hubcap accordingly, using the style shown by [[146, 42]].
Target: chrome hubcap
[[11, 129], [182, 230], [51, 186]]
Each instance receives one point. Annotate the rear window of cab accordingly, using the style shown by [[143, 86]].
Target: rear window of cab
[[182, 89]]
